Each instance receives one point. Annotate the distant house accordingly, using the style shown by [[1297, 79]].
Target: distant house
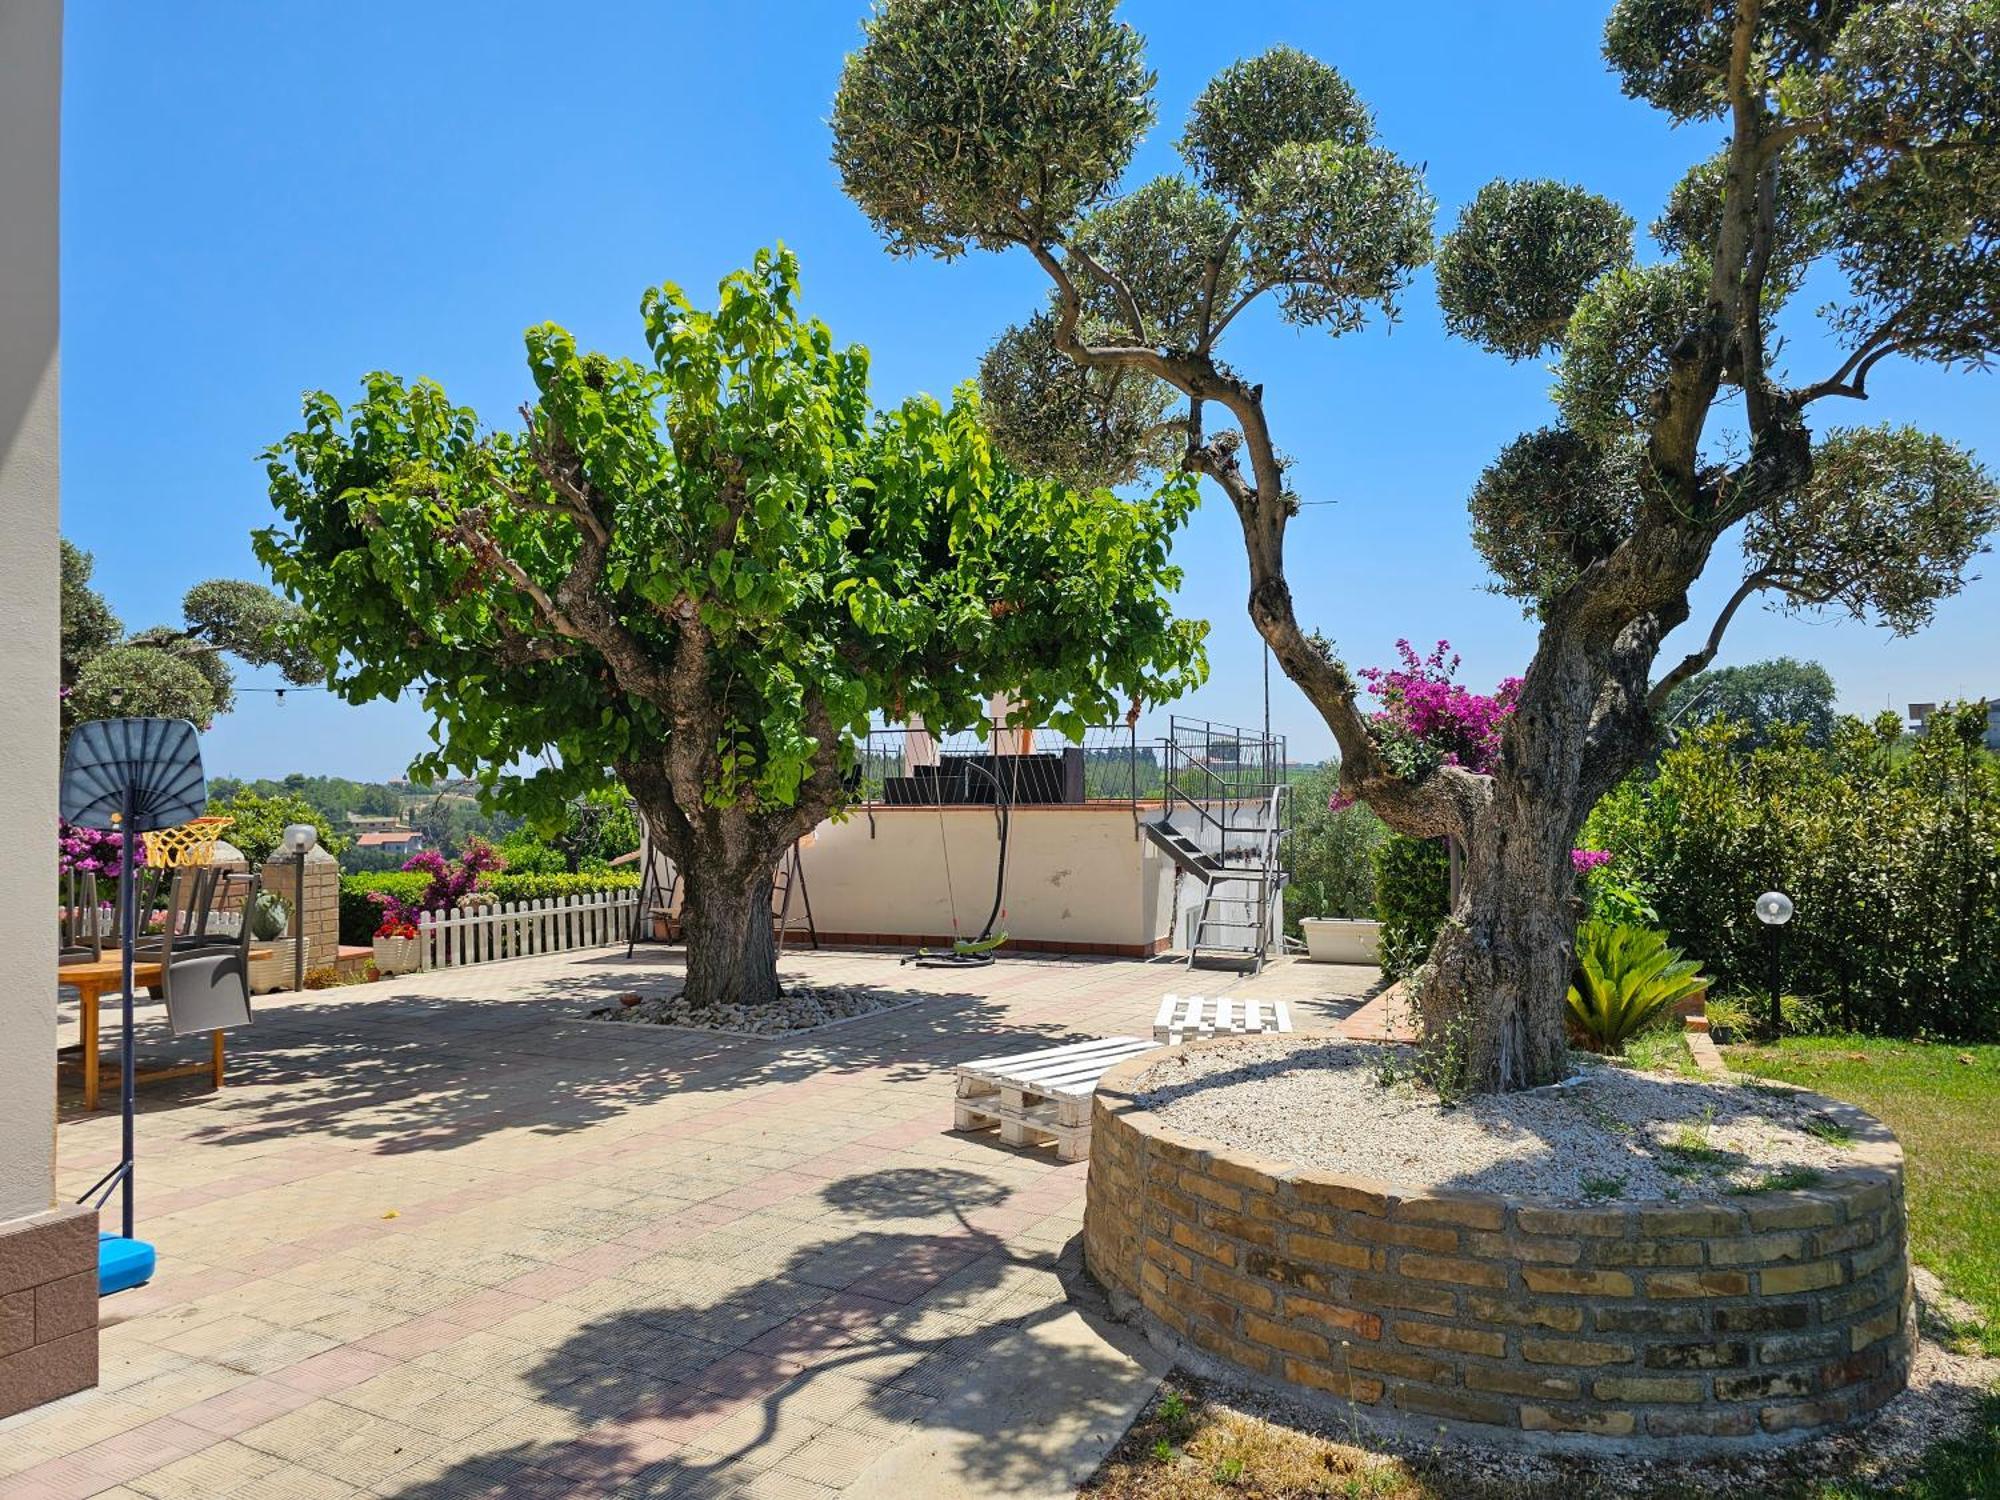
[[1920, 715], [392, 841]]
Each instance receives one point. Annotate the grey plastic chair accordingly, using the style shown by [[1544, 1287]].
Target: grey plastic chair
[[206, 979]]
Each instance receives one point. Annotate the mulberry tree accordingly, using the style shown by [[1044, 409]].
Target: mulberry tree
[[701, 573], [1858, 141]]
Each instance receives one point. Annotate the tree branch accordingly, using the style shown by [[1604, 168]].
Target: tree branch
[[1698, 661]]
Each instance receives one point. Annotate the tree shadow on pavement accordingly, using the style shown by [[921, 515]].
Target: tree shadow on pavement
[[850, 1346]]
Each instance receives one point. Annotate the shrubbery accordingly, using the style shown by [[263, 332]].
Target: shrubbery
[[1412, 898], [1890, 852], [359, 916], [1331, 852]]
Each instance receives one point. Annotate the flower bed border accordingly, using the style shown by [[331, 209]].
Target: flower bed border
[[1700, 1326]]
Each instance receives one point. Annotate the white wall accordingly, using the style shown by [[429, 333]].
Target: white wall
[[30, 81], [1074, 875]]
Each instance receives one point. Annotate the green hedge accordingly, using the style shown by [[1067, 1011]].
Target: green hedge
[[1412, 899], [359, 916], [1889, 848]]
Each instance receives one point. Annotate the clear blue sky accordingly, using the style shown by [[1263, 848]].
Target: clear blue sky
[[260, 199]]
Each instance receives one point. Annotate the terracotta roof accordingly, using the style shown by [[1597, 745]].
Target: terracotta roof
[[386, 840]]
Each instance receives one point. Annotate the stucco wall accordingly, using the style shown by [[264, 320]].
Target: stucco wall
[[30, 78], [1077, 876]]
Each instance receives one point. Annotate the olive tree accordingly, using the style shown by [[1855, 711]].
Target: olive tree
[[1856, 139], [169, 671], [702, 572]]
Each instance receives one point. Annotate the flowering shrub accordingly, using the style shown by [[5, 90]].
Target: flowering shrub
[[391, 928], [449, 884], [1583, 861], [93, 851], [1429, 720]]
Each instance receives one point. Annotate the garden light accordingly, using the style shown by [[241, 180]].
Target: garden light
[[1774, 910]]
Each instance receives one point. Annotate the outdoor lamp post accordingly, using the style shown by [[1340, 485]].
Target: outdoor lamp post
[[299, 840], [1774, 910]]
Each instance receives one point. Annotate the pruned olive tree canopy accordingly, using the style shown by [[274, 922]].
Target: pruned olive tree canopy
[[1859, 147]]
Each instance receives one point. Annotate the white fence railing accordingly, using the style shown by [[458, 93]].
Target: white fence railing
[[523, 929]]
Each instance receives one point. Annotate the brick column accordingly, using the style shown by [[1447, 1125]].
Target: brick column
[[317, 917]]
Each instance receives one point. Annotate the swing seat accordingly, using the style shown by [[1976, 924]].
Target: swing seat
[[121, 1263]]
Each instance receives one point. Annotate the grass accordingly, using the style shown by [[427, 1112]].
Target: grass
[[1943, 1102], [1661, 1049]]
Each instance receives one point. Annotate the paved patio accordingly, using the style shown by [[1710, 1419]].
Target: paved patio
[[444, 1237]]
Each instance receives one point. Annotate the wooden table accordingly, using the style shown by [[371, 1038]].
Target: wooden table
[[96, 978]]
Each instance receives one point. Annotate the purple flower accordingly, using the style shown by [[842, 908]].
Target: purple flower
[[1583, 861]]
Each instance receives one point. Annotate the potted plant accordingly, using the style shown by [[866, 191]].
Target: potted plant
[[1342, 940], [396, 950], [269, 920]]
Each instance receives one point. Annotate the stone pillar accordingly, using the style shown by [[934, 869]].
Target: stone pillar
[[48, 1256], [317, 917]]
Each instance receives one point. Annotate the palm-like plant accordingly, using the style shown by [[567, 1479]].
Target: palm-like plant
[[1625, 976]]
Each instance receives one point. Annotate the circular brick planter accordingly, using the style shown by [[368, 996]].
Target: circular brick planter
[[1702, 1326]]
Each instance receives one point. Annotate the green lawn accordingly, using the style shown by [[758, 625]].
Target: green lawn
[[1943, 1102]]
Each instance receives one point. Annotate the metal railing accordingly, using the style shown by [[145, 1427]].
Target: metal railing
[[902, 767]]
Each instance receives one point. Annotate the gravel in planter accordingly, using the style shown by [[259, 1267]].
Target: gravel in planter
[[1352, 1107], [799, 1008]]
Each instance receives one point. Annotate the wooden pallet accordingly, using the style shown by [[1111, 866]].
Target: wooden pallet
[[1040, 1096], [1183, 1016]]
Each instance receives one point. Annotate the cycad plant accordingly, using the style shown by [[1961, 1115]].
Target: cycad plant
[[1625, 976]]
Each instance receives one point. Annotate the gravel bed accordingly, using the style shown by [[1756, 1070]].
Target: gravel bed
[[803, 1007], [1352, 1107]]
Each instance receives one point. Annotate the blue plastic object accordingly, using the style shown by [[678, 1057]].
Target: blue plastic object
[[122, 1263]]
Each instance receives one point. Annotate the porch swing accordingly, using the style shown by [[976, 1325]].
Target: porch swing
[[976, 952]]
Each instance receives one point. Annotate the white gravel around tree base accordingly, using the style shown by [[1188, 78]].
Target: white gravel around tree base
[[800, 1008], [1352, 1107]]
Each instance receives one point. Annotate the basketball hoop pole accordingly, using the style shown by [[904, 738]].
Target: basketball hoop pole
[[128, 901]]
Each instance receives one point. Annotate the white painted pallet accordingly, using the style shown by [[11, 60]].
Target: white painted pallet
[[1040, 1096], [1183, 1016]]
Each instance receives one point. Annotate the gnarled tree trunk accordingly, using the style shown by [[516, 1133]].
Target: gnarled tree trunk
[[1491, 996], [726, 923]]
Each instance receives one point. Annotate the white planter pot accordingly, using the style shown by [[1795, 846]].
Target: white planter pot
[[1342, 940], [269, 975], [396, 955]]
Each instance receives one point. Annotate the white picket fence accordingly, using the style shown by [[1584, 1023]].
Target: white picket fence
[[525, 929]]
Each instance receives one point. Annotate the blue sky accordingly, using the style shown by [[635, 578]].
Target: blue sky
[[263, 199]]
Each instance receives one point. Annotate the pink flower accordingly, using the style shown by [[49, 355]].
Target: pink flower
[[1583, 861], [1422, 704]]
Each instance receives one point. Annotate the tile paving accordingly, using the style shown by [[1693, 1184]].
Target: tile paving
[[444, 1237]]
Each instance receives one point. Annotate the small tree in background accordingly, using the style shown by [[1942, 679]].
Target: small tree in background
[[706, 571], [1758, 696], [169, 672], [1857, 137]]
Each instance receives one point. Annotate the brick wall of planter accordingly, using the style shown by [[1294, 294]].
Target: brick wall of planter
[[1684, 1326]]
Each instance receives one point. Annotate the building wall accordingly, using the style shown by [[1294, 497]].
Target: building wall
[[1078, 877], [30, 79]]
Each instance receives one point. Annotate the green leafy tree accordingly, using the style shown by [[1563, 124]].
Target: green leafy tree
[[260, 822], [1758, 696], [1858, 137], [1331, 852], [704, 571], [172, 672]]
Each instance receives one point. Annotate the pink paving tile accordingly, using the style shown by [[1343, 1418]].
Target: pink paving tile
[[746, 1376], [600, 1260], [483, 1309], [418, 1336], [550, 1282], [247, 1406], [335, 1370]]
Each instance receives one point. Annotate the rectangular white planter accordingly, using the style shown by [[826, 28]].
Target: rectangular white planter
[[1342, 940], [270, 975]]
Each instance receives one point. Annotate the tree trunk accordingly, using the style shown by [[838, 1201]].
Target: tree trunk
[[726, 923], [1491, 998]]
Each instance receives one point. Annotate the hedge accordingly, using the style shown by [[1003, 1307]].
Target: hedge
[[359, 916], [1889, 849], [1412, 899]]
